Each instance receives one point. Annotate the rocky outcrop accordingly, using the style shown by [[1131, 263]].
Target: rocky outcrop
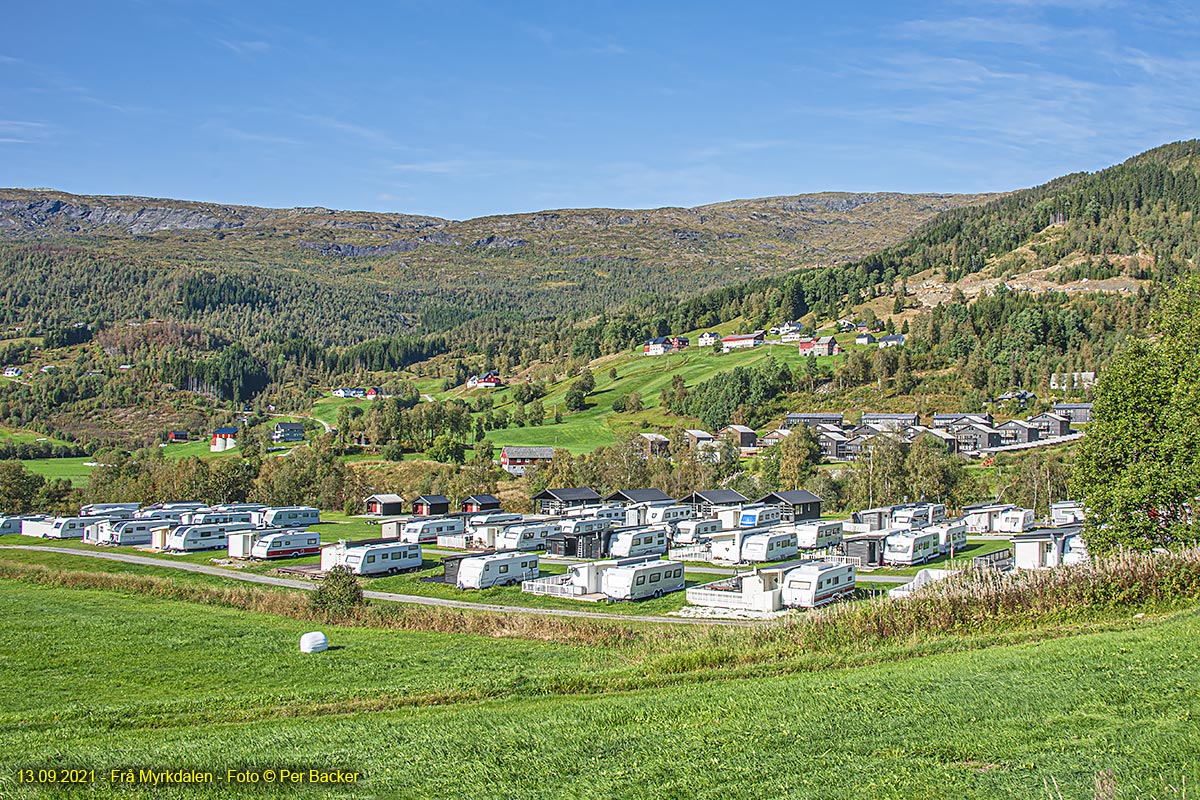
[[17, 214], [361, 250], [500, 242]]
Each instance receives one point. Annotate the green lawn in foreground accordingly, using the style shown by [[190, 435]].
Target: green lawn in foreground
[[220, 688]]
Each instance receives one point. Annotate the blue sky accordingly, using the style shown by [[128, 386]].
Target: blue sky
[[461, 109]]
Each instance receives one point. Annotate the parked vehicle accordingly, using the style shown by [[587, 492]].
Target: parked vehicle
[[694, 531], [667, 515], [291, 544], [760, 516], [816, 583], [639, 581], [770, 546], [60, 527], [498, 569], [285, 517], [584, 525], [525, 537], [115, 510], [1015, 520], [14, 522], [382, 559], [818, 535], [426, 531], [614, 514], [125, 532], [908, 548], [951, 535], [208, 516], [638, 542], [918, 515], [190, 538]]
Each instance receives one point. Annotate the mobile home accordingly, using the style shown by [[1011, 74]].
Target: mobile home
[[208, 516], [379, 558], [426, 531], [13, 523], [585, 525], [666, 515], [639, 581], [59, 527], [770, 546], [759, 516], [638, 542], [482, 529], [286, 517], [818, 535], [115, 510], [816, 583], [952, 536], [291, 544], [125, 531], [190, 538], [918, 515], [498, 569], [1014, 520], [525, 537], [694, 531], [908, 548], [1067, 512]]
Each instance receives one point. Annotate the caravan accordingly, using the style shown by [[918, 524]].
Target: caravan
[[1014, 520], [818, 535], [60, 527], [384, 558], [918, 515], [125, 532], [427, 531], [208, 516], [525, 537], [581, 525], [639, 581], [667, 515], [13, 523], [498, 569], [190, 538], [909, 548], [816, 583], [114, 510], [760, 516], [694, 531], [952, 536], [285, 517], [638, 542], [291, 544], [769, 546]]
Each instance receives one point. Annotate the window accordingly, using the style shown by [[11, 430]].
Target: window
[[656, 577], [678, 572], [503, 568], [312, 541], [835, 581], [383, 556], [641, 579], [370, 559], [797, 584]]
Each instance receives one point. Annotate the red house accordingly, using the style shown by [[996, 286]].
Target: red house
[[515, 460], [431, 505], [478, 503], [177, 436]]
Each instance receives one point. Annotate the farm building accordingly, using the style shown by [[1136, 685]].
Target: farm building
[[346, 391], [515, 460], [865, 338], [384, 505], [556, 501], [821, 346], [223, 439], [478, 503], [798, 505], [288, 432], [741, 341], [431, 505], [488, 380], [891, 340], [177, 436], [708, 339]]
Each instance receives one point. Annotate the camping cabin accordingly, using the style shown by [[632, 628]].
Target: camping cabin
[[590, 543], [290, 544], [638, 542], [498, 569], [694, 531], [818, 535], [286, 517], [1044, 548], [479, 503], [191, 538], [816, 583], [908, 548], [384, 505], [867, 548], [431, 505], [797, 505], [531, 536], [639, 581], [426, 531], [770, 546], [561, 501]]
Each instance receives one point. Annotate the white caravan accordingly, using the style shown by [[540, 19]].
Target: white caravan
[[908, 548], [694, 531], [190, 538], [951, 535], [125, 532], [525, 537], [115, 510], [208, 516], [589, 525], [14, 522], [1067, 512], [918, 515], [667, 515], [382, 559], [290, 544], [614, 514], [638, 542], [426, 531], [770, 546], [818, 535], [639, 581], [60, 527], [285, 517], [1014, 520], [816, 583], [497, 569], [760, 516]]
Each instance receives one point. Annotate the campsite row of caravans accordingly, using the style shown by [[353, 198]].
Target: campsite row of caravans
[[636, 578], [804, 584]]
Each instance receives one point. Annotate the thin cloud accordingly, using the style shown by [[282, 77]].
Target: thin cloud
[[982, 29], [244, 48]]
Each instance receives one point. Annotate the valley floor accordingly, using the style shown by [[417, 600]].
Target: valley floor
[[104, 679]]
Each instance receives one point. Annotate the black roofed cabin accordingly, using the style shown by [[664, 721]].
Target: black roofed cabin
[[478, 503], [556, 501], [431, 505], [799, 505]]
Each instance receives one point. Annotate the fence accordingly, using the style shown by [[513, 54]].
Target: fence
[[694, 552], [554, 585]]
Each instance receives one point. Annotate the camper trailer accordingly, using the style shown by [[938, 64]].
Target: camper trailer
[[285, 517], [114, 510], [125, 532], [59, 527], [816, 583], [667, 515], [908, 548], [760, 516], [168, 510], [952, 536], [770, 546], [525, 537], [918, 515], [426, 531], [208, 516], [239, 507], [614, 514], [498, 569], [291, 544], [639, 581], [14, 522], [384, 558], [1014, 520], [1067, 512], [482, 529], [190, 538], [585, 525], [694, 531], [638, 542], [818, 535]]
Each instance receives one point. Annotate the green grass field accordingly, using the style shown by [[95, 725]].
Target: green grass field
[[74, 469], [105, 679]]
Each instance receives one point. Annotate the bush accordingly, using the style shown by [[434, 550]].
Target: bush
[[338, 595]]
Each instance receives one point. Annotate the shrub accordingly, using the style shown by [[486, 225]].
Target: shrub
[[338, 595]]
